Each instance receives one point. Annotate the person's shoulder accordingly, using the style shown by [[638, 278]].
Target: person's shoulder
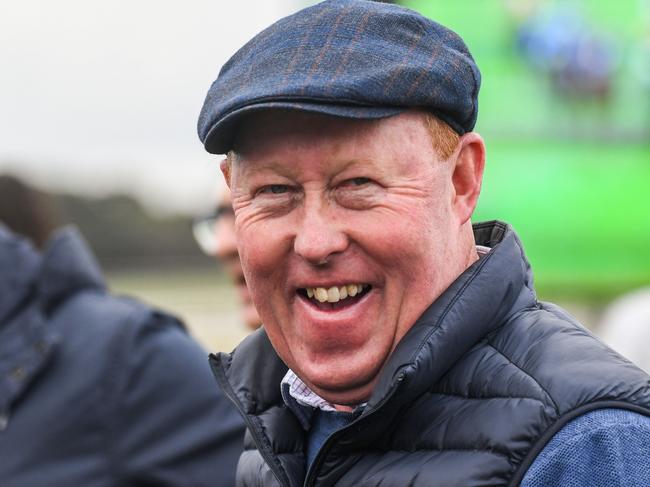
[[104, 315], [569, 364], [560, 353], [612, 417], [71, 289], [167, 403], [106, 332], [601, 447], [120, 338], [595, 424]]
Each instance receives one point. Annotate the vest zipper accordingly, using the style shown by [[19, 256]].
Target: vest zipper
[[252, 427], [324, 451]]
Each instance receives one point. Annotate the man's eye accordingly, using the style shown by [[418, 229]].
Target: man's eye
[[358, 181], [274, 189]]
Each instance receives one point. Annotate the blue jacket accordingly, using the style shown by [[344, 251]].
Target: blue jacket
[[97, 390]]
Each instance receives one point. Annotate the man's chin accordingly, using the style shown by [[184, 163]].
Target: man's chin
[[346, 387], [349, 398]]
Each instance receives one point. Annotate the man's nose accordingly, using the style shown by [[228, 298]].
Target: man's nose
[[319, 234]]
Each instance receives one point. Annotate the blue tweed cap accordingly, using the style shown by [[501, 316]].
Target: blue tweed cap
[[347, 58]]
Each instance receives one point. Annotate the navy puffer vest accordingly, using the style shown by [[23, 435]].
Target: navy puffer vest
[[469, 397]]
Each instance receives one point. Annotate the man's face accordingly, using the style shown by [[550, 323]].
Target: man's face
[[323, 204]]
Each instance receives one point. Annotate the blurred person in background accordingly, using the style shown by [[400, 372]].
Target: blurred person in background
[[26, 210], [215, 234], [97, 390], [402, 344], [625, 326]]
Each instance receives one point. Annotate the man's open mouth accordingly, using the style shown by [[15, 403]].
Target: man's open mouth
[[336, 296]]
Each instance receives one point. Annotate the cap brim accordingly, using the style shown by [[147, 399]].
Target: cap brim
[[219, 139]]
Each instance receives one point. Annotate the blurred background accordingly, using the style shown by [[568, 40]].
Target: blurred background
[[99, 101]]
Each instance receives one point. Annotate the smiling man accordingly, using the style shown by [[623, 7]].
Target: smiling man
[[401, 345], [335, 238]]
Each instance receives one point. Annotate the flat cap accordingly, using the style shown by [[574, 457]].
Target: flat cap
[[348, 58]]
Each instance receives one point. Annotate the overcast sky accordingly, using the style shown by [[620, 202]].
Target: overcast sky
[[103, 96]]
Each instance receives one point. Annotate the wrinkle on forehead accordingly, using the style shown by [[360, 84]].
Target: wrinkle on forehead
[[300, 132]]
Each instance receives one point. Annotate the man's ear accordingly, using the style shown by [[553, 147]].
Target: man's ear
[[226, 167], [468, 175]]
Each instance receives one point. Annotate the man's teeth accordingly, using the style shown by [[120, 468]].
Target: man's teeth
[[335, 293]]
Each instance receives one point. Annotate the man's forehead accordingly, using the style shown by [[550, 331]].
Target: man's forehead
[[295, 130], [297, 146]]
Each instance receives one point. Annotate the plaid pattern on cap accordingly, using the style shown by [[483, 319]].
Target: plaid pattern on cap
[[347, 58]]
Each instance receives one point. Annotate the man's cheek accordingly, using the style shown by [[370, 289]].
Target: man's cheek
[[259, 260]]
